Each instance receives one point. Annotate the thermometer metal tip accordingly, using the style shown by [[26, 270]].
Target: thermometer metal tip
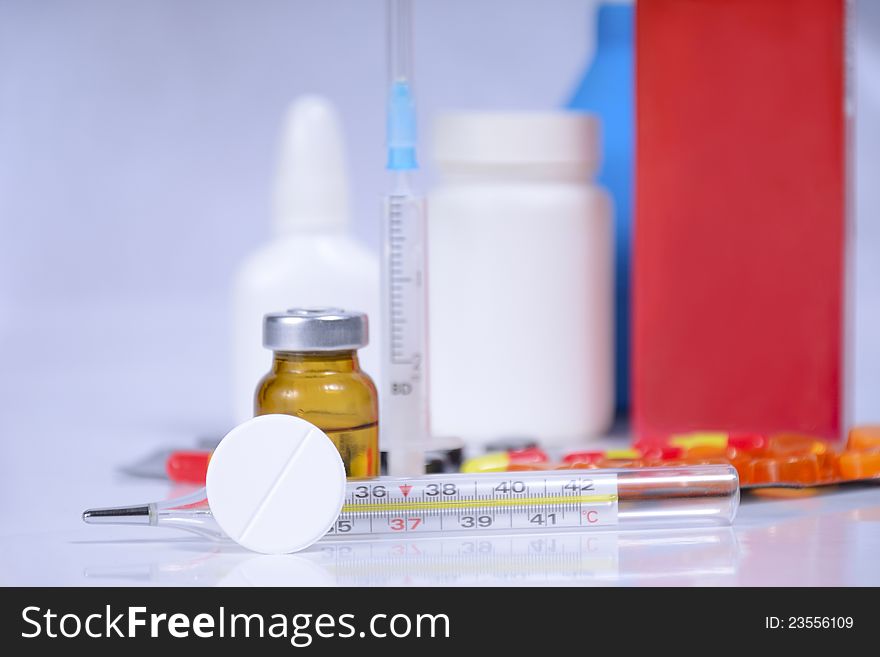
[[142, 514]]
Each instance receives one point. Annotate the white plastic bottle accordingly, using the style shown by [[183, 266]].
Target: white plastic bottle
[[313, 260], [520, 279]]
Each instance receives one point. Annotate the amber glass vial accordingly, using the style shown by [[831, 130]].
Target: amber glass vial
[[315, 375]]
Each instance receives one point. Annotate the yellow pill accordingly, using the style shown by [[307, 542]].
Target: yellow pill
[[700, 439], [621, 454], [494, 462]]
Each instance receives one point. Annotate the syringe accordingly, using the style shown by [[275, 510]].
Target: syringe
[[404, 391]]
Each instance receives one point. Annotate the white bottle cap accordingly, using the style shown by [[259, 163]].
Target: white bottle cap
[[311, 186], [553, 140], [276, 484]]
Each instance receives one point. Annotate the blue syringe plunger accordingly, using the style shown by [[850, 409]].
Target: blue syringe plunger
[[401, 128]]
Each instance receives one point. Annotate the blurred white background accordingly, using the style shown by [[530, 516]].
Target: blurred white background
[[137, 147], [139, 133], [137, 150]]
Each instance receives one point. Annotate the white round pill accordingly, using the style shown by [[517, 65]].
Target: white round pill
[[276, 484]]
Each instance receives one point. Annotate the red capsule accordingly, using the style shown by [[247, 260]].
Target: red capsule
[[747, 442], [527, 456], [583, 457], [661, 452], [188, 466]]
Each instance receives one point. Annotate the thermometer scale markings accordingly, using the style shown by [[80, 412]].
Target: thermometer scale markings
[[442, 505]]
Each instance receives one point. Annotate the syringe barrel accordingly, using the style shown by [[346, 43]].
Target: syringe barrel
[[403, 388]]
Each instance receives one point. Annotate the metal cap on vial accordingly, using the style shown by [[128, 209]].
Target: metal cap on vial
[[315, 329]]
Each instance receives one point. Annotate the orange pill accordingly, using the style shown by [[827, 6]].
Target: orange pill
[[675, 463], [829, 465], [742, 463], [786, 493], [860, 465], [864, 437], [706, 451], [575, 465], [527, 467], [618, 463], [796, 443], [797, 469]]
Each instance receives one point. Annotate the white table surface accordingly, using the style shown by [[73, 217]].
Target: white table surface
[[832, 539], [72, 417]]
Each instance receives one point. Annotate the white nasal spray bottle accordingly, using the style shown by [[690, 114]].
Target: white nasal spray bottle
[[313, 260]]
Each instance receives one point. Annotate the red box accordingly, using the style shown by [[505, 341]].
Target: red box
[[738, 281]]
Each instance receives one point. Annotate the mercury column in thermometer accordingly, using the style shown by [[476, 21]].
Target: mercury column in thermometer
[[404, 390]]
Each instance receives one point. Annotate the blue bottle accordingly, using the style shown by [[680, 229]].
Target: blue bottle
[[607, 91]]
